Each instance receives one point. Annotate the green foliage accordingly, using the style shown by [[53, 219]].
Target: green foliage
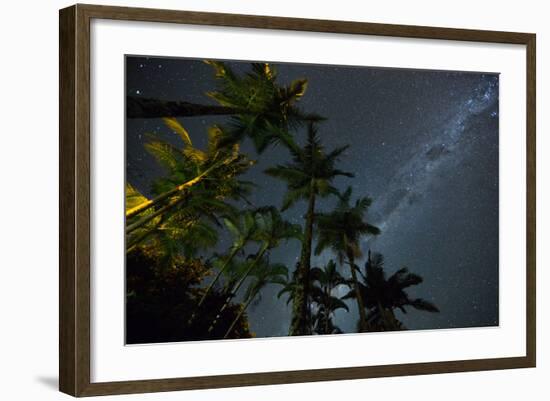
[[261, 276], [265, 111], [341, 229], [133, 197], [269, 231], [175, 126], [266, 227], [290, 288], [169, 157], [272, 228], [309, 175], [325, 281], [187, 219], [321, 300], [311, 170]]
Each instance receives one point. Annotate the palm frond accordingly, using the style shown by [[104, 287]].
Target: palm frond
[[166, 155], [424, 305], [175, 126], [133, 197]]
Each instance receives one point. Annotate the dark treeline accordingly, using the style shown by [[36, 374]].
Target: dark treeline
[[179, 289]]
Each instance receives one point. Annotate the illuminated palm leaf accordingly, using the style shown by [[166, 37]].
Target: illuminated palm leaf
[[265, 111]]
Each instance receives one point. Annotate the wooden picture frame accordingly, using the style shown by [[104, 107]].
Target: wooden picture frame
[[74, 205]]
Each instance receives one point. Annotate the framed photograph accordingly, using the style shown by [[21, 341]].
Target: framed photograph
[[250, 200]]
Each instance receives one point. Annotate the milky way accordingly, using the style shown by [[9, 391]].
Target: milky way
[[425, 149], [450, 143]]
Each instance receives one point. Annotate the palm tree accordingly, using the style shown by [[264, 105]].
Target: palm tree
[[189, 166], [341, 230], [187, 210], [186, 230], [324, 282], [258, 106], [294, 287], [383, 295], [321, 304], [308, 177], [266, 111], [242, 228], [270, 231], [264, 274]]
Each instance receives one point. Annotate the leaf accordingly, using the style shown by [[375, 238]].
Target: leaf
[[219, 67], [424, 305], [297, 88], [351, 294], [215, 138], [403, 278], [165, 154], [268, 72], [292, 196], [249, 221], [278, 280], [232, 227], [196, 155], [338, 304], [175, 126], [263, 70], [133, 197], [278, 269]]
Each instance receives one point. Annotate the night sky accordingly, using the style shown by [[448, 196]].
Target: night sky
[[424, 148]]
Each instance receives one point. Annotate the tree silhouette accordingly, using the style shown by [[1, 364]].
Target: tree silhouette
[[383, 295], [341, 231], [308, 177], [270, 231], [262, 275], [324, 282], [243, 229]]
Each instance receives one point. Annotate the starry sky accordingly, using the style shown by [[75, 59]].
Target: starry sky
[[425, 149]]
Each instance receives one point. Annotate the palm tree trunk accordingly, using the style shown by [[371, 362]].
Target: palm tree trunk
[[360, 304], [138, 107], [218, 275], [243, 308], [186, 185], [381, 312], [261, 253], [146, 219], [211, 285], [329, 308], [300, 311]]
